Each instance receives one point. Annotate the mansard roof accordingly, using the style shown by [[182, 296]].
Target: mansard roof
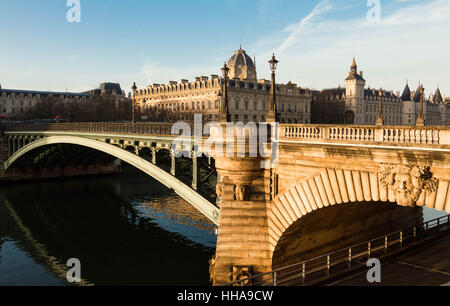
[[43, 93], [330, 94], [374, 93], [109, 87]]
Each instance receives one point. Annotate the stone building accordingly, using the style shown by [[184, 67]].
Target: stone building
[[18, 101], [248, 97], [357, 105], [109, 91]]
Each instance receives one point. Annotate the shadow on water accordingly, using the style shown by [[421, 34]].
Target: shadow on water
[[126, 230]]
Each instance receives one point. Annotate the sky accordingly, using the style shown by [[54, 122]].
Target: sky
[[149, 41]]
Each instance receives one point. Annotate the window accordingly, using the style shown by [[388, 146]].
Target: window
[[236, 105], [209, 104]]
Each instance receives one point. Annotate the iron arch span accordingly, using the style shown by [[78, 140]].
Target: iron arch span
[[184, 191]]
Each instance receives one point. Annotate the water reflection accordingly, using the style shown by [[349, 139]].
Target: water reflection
[[125, 230]]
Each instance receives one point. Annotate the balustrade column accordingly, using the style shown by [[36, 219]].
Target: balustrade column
[[153, 156], [194, 171], [173, 163]]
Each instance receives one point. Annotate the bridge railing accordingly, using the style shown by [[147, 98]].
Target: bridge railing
[[99, 127], [384, 134], [300, 132], [342, 260]]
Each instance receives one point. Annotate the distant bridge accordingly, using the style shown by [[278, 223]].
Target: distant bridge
[[321, 169]]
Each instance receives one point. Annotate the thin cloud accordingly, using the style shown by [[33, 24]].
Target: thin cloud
[[296, 30]]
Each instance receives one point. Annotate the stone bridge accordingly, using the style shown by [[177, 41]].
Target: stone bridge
[[330, 185]]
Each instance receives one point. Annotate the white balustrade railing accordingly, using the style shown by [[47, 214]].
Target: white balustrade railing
[[377, 134]]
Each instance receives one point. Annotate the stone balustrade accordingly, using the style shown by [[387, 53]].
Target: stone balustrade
[[376, 134]]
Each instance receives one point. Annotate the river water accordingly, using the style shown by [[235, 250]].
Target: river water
[[125, 230]]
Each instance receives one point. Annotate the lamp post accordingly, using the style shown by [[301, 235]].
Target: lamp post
[[421, 120], [133, 102], [380, 108], [224, 106], [272, 115]]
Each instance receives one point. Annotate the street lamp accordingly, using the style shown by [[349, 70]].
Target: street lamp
[[224, 110], [133, 102], [421, 120], [272, 115], [380, 108]]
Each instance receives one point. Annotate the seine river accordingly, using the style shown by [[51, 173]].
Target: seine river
[[125, 230]]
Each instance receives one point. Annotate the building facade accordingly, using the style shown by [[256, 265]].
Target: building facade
[[110, 91], [14, 102], [248, 97], [356, 104], [17, 101]]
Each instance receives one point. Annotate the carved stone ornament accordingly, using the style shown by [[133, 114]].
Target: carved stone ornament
[[219, 189], [242, 193], [408, 182], [241, 273]]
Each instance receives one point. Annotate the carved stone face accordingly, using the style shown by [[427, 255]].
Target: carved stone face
[[242, 193], [405, 192], [408, 183]]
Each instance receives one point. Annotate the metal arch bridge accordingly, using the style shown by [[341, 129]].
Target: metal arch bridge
[[116, 140]]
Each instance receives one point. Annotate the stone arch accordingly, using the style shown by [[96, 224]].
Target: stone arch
[[335, 187], [187, 193]]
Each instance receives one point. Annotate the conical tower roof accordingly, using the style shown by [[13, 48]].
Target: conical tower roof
[[437, 96], [406, 96]]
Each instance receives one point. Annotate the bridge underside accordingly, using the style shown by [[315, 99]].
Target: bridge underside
[[337, 227]]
